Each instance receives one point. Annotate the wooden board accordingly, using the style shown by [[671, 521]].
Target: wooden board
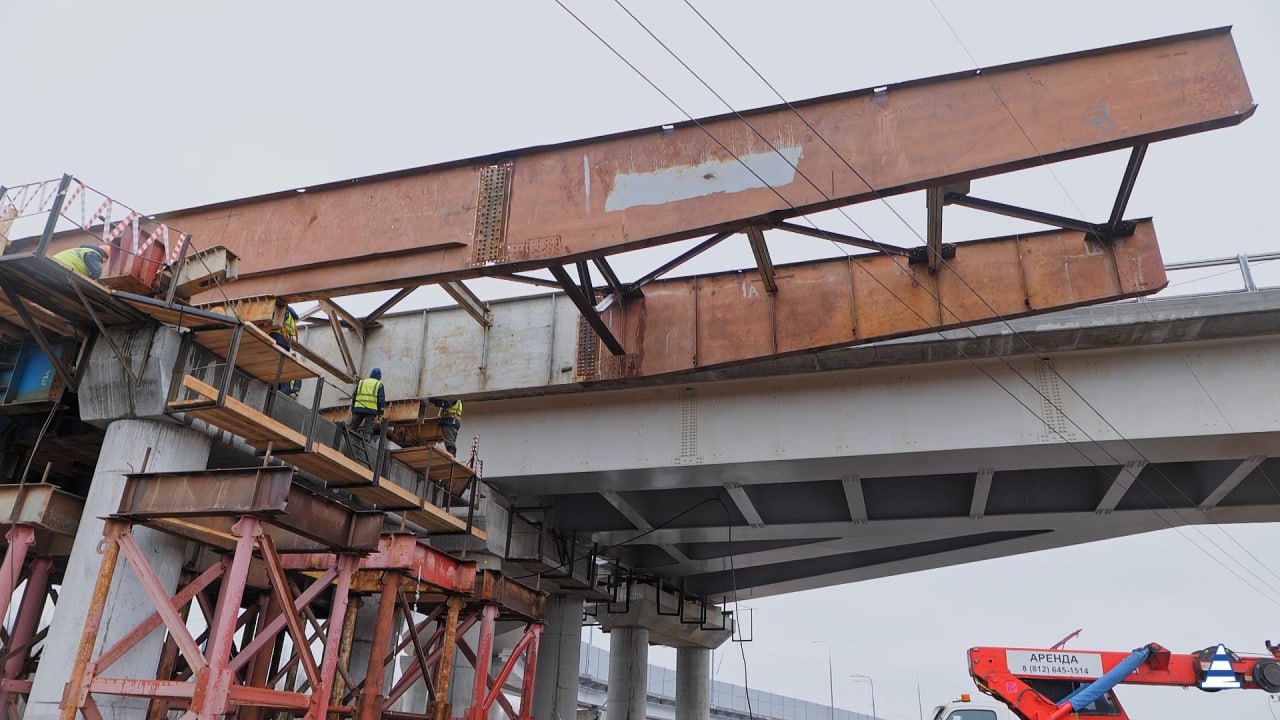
[[48, 291], [405, 410], [181, 316], [322, 461], [264, 310], [259, 355], [439, 465]]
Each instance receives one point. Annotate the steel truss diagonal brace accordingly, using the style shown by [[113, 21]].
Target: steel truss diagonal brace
[[587, 308]]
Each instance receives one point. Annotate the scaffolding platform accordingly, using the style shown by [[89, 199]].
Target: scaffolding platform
[[439, 466], [57, 298], [412, 420], [255, 352], [266, 434]]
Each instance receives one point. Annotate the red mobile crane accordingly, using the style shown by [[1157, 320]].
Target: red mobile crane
[[1040, 684]]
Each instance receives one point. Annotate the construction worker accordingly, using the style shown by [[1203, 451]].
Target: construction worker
[[368, 403], [450, 420], [86, 259], [285, 338]]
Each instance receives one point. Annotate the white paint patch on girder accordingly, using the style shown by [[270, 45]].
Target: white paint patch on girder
[[586, 182], [685, 182]]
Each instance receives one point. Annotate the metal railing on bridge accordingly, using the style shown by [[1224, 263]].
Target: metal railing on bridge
[[1244, 272]]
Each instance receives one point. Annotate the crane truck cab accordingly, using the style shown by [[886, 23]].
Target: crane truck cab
[[966, 709]]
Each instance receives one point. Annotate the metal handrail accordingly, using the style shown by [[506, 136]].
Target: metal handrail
[[1241, 261]]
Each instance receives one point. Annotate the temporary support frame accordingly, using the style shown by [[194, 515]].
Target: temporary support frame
[[437, 598], [256, 514], [279, 630], [38, 523]]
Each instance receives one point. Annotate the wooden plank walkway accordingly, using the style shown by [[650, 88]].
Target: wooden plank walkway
[[322, 461]]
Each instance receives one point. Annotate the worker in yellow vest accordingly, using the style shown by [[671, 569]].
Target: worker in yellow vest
[[86, 259], [368, 403], [285, 338], [450, 420]]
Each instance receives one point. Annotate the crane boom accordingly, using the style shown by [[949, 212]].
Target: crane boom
[[1050, 684]]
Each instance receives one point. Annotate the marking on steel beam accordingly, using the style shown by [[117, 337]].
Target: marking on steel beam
[[685, 182], [857, 501], [1229, 483], [1123, 481], [745, 506], [981, 491]]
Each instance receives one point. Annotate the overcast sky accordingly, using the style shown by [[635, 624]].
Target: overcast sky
[[172, 104]]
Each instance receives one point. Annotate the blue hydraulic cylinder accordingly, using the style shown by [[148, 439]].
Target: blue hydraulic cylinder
[[1085, 696]]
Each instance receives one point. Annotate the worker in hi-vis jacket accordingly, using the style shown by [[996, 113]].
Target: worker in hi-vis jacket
[[449, 419], [86, 259], [368, 403]]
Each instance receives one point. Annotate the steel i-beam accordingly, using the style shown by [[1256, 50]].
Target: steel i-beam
[[497, 215]]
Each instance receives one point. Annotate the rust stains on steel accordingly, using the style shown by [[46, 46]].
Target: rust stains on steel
[[204, 505], [558, 204], [700, 322]]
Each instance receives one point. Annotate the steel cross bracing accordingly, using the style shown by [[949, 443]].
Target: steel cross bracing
[[287, 567]]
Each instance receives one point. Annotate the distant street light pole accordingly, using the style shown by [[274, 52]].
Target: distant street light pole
[[873, 693], [919, 702], [831, 683]]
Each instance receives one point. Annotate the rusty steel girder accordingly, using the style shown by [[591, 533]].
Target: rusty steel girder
[[724, 318], [204, 505], [553, 205]]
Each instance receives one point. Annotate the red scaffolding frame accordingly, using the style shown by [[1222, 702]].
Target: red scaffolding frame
[[38, 524], [278, 595]]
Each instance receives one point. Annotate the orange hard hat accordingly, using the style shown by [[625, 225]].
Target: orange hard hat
[[106, 249]]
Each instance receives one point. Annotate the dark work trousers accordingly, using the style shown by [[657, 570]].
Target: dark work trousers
[[363, 423], [450, 434]]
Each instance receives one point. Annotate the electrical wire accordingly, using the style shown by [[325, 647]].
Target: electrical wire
[[996, 314], [737, 612], [1156, 468], [1043, 162], [959, 351], [958, 275]]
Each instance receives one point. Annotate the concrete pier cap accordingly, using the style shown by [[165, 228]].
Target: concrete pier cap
[[660, 612]]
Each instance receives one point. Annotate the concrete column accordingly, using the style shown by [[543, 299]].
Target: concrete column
[[555, 690], [628, 673], [362, 638], [464, 675], [693, 683], [173, 448]]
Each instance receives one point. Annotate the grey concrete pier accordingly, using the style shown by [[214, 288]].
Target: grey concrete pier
[[172, 448], [555, 692]]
